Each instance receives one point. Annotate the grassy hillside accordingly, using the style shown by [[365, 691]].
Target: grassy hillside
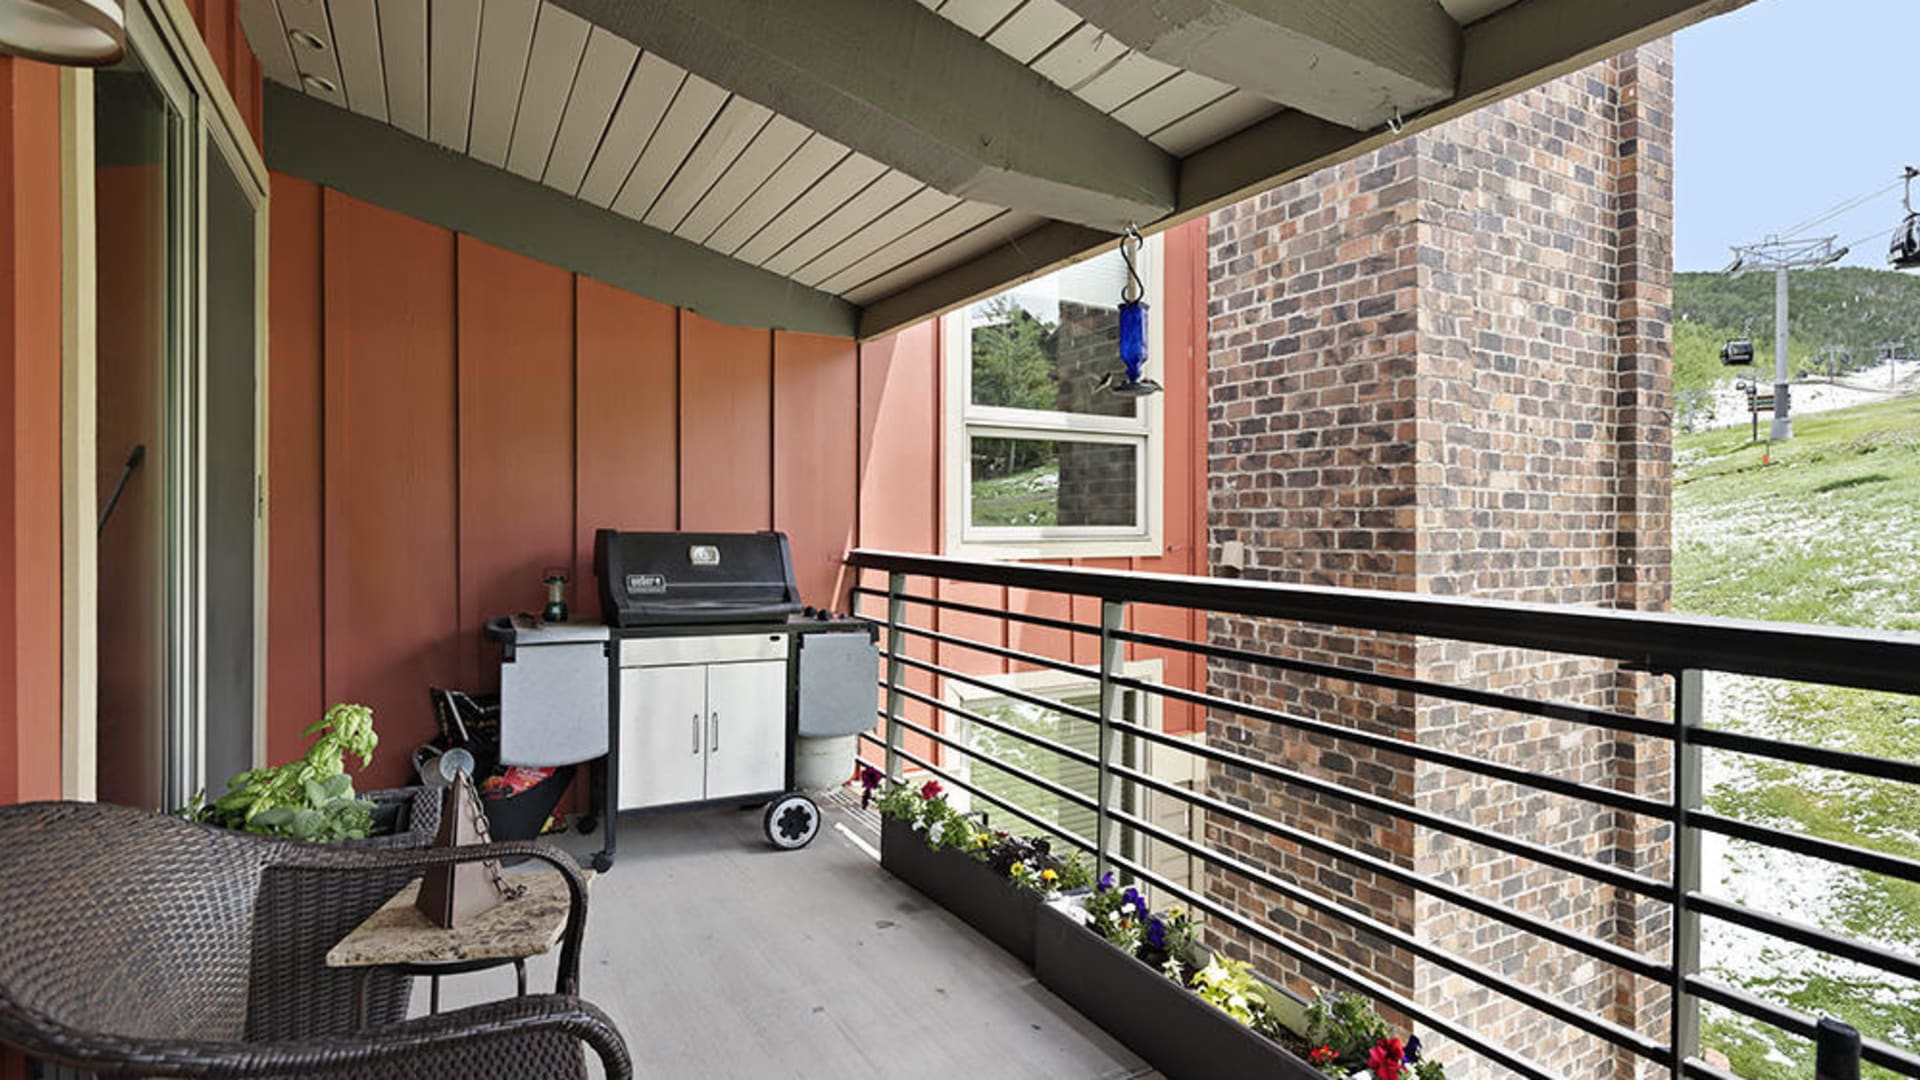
[[1849, 306], [1828, 533]]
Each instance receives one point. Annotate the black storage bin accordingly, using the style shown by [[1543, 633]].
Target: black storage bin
[[520, 816]]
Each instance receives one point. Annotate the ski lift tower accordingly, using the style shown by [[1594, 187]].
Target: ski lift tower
[[1782, 255]]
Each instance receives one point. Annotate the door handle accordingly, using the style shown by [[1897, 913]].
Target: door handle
[[713, 733], [696, 734]]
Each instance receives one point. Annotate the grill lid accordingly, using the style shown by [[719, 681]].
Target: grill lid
[[669, 578]]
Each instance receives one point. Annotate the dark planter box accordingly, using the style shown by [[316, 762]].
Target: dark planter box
[[1170, 1026], [970, 889]]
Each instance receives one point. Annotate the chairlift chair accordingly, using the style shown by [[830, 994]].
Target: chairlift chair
[[1737, 352], [1903, 251]]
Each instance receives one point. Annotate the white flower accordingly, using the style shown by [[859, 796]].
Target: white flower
[[919, 826], [939, 830]]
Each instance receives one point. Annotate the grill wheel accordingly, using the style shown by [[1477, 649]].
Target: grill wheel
[[792, 821]]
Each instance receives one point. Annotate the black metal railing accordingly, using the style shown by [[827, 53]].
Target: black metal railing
[[1676, 648]]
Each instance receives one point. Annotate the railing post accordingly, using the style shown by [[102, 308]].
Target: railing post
[[1836, 1051], [896, 645], [1688, 707], [1113, 615]]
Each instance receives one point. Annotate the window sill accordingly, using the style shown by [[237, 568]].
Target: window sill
[[1034, 550]]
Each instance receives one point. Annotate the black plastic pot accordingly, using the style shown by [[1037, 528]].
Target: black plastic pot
[[1170, 1026], [963, 885], [522, 815]]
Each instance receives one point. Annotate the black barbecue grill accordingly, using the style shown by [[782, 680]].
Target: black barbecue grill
[[689, 578], [714, 672]]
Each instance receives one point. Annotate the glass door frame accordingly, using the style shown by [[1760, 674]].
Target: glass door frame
[[166, 38]]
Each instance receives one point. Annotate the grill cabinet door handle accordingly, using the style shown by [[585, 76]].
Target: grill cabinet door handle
[[696, 734], [713, 733]]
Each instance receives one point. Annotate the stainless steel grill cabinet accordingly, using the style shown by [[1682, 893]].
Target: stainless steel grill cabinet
[[707, 676]]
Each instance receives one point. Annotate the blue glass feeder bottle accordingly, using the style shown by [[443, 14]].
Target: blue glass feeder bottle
[[1133, 338]]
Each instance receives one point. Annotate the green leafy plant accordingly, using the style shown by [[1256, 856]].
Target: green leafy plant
[[1230, 986], [310, 798], [1346, 1035], [927, 810]]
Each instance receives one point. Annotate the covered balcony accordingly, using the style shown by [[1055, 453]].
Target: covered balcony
[[335, 329]]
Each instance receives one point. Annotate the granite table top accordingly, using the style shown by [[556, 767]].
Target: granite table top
[[400, 933]]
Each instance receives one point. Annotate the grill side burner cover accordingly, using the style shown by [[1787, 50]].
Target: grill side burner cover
[[674, 578]]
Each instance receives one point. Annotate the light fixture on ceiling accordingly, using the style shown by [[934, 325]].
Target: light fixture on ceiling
[[76, 33], [319, 85], [307, 40]]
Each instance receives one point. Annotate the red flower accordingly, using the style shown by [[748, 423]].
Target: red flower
[[1321, 1055], [931, 790], [1385, 1059]]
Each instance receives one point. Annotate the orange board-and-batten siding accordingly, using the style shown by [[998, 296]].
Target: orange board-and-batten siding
[[30, 387], [480, 415]]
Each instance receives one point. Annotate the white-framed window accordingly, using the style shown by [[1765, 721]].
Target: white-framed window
[[1042, 460], [1163, 762]]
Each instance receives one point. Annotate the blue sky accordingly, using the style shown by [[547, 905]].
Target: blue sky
[[1784, 109]]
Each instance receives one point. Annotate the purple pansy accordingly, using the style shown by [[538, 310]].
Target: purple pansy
[[1156, 932]]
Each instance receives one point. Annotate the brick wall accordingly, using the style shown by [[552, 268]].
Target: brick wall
[[1444, 367]]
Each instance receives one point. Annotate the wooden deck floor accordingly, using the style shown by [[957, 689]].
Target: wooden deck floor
[[721, 957]]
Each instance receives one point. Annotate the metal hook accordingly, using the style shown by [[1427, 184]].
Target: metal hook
[[1394, 123], [1130, 242]]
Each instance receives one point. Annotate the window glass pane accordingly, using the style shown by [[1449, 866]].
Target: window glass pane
[[136, 192], [1047, 344], [995, 746], [1067, 817], [1038, 483], [230, 395]]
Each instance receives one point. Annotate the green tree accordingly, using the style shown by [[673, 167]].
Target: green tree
[[1013, 357], [1014, 360]]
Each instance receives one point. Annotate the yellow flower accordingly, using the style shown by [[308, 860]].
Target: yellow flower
[[1018, 869], [1049, 876]]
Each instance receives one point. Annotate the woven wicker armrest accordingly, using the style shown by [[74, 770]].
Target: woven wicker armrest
[[567, 980], [530, 1036]]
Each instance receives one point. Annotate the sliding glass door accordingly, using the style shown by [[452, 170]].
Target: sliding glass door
[[176, 461], [232, 569], [140, 182]]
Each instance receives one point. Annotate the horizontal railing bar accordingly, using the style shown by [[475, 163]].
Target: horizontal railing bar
[[1906, 772], [998, 690], [1646, 886], [1339, 974], [1070, 837], [1658, 641], [1054, 788], [1831, 850], [1592, 1025], [1083, 670], [1598, 950], [1551, 710], [1041, 741], [1802, 934], [975, 609], [1904, 1062], [1632, 804]]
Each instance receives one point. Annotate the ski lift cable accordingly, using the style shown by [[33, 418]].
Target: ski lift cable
[[1842, 207]]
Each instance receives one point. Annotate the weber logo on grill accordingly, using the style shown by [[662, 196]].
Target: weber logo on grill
[[703, 555], [646, 584]]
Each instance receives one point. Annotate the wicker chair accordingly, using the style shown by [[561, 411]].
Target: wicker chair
[[128, 946]]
